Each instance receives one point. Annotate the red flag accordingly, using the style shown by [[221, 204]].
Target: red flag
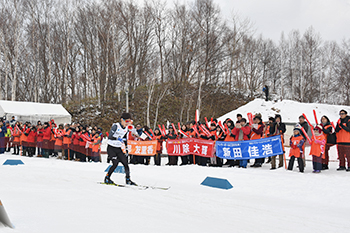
[[206, 121], [315, 117], [250, 118], [174, 128], [312, 128], [161, 130], [221, 126], [154, 136], [307, 136], [205, 130]]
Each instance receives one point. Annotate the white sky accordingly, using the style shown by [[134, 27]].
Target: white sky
[[331, 18]]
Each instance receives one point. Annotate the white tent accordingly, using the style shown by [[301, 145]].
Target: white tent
[[33, 112], [289, 110]]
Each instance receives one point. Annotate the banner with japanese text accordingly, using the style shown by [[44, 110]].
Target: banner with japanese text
[[144, 148], [252, 149], [191, 146]]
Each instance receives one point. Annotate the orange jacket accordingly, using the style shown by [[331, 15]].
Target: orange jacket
[[160, 140], [59, 137], [267, 130], [67, 137], [96, 143], [16, 134], [257, 133], [23, 137], [343, 131], [317, 145], [296, 144]]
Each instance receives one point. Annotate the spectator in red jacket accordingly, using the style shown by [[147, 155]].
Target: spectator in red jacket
[[46, 140], [31, 140], [241, 132]]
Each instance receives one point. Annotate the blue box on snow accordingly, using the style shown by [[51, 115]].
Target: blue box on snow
[[217, 183], [119, 169], [13, 162]]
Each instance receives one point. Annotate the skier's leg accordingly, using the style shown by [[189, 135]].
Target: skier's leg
[[123, 159], [112, 155]]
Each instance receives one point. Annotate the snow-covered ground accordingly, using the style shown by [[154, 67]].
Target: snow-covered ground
[[50, 195]]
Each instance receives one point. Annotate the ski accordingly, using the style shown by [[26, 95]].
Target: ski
[[126, 186], [136, 186], [154, 187]]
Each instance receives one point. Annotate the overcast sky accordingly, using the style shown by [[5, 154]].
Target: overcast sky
[[331, 18]]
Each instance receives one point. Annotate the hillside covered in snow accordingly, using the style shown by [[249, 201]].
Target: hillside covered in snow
[[288, 109]]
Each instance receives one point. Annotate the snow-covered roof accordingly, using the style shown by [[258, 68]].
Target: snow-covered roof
[[30, 111], [288, 109]]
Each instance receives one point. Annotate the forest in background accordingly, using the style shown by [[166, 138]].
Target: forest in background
[[88, 55]]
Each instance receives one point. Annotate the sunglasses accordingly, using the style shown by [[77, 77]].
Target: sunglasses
[[342, 113], [127, 121]]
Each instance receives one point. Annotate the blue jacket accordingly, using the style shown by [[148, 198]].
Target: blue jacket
[[3, 131]]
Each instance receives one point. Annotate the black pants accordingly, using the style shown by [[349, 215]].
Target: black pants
[[184, 159], [82, 157], [116, 155], [157, 159], [16, 149], [300, 163], [173, 160]]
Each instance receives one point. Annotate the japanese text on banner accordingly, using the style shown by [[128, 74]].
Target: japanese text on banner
[[251, 149], [144, 148], [191, 146]]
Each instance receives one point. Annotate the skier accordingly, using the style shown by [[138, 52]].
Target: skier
[[116, 138]]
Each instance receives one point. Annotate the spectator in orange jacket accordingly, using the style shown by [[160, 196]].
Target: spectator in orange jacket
[[17, 131], [343, 140], [317, 149], [296, 150]]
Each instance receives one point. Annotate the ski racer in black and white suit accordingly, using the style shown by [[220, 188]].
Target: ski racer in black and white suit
[[117, 137]]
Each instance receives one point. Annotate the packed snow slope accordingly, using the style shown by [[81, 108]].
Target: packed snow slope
[[50, 195], [288, 109]]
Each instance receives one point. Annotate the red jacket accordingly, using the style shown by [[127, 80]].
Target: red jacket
[[47, 133], [84, 137], [246, 132], [40, 135], [31, 135], [75, 138]]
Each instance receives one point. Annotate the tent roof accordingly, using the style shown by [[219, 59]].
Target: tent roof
[[29, 108], [288, 109]]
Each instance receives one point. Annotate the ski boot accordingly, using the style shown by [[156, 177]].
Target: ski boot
[[108, 180], [129, 182]]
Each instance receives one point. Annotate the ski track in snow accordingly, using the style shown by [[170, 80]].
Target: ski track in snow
[[50, 195]]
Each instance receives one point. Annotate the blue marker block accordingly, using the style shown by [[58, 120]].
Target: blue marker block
[[119, 169], [13, 162], [217, 183]]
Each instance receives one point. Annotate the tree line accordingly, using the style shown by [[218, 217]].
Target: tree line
[[88, 55]]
